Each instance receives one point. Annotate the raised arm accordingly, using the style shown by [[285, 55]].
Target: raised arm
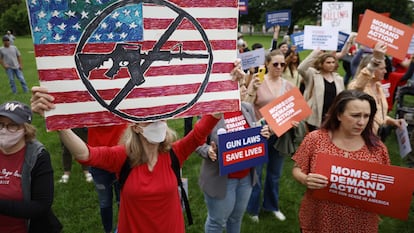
[[41, 102]]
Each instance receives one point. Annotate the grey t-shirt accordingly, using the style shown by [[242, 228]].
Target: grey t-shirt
[[9, 56]]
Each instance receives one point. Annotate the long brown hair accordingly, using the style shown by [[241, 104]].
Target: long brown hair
[[332, 122]]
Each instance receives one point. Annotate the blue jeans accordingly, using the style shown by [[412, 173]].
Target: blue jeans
[[274, 169], [228, 213], [105, 184], [19, 74]]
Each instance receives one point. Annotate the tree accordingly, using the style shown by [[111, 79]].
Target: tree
[[15, 18]]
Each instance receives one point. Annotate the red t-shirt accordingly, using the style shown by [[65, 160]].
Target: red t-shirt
[[11, 188], [235, 121], [150, 200], [105, 135]]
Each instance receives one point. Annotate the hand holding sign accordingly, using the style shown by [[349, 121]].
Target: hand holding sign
[[212, 151]]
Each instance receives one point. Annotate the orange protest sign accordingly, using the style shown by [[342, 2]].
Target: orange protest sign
[[376, 27], [289, 107], [377, 188]]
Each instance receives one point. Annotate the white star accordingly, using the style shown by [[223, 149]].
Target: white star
[[57, 37], [55, 13], [104, 25], [118, 24], [99, 1], [72, 38], [70, 13], [98, 12], [49, 26], [115, 15], [73, 1], [126, 12], [110, 36], [41, 14], [76, 26], [34, 2], [87, 1], [37, 29], [97, 36], [132, 25], [137, 13], [123, 35], [84, 15], [43, 39], [62, 26]]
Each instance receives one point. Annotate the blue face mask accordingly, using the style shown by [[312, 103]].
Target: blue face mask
[[155, 132]]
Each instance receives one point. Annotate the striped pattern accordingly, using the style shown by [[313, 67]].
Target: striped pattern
[[168, 86]]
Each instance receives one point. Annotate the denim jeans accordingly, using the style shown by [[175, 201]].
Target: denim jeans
[[19, 74], [105, 184], [228, 213], [274, 169]]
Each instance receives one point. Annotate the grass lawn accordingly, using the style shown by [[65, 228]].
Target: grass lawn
[[76, 203]]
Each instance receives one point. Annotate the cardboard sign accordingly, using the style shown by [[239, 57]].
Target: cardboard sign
[[241, 149], [376, 27], [107, 62], [324, 38], [337, 15], [253, 58], [281, 18], [289, 107], [377, 188]]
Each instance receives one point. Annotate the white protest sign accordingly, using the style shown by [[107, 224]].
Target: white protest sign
[[324, 38]]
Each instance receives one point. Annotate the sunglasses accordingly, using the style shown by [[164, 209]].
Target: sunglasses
[[276, 64]]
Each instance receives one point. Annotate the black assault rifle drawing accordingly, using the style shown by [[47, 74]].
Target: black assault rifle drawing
[[130, 56]]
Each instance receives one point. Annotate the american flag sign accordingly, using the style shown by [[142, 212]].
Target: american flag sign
[[108, 61]]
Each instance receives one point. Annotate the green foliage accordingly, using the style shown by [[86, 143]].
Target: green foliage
[[15, 18], [76, 202]]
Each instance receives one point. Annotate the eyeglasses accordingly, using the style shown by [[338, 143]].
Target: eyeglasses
[[276, 64], [12, 128]]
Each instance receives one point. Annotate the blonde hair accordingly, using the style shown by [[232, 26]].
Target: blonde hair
[[29, 132], [134, 147], [318, 64]]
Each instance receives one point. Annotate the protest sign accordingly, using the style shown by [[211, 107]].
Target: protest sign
[[110, 61], [403, 140], [317, 37], [253, 58], [289, 107], [337, 15], [378, 28], [281, 18], [297, 39], [377, 188], [241, 150]]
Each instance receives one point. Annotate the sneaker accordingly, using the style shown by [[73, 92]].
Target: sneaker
[[254, 218], [88, 177], [64, 179], [279, 215]]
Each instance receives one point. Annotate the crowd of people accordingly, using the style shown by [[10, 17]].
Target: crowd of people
[[348, 120]]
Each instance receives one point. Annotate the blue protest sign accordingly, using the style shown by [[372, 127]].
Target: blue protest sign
[[342, 38], [282, 18], [241, 150], [297, 39]]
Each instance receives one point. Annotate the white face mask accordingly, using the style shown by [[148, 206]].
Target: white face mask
[[8, 139], [155, 132]]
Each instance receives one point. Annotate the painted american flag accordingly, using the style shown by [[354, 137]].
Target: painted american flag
[[108, 61]]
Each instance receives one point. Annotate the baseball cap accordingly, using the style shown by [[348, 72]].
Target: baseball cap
[[18, 112], [6, 38]]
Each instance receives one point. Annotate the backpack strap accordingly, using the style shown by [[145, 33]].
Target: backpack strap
[[176, 168], [175, 165], [123, 175]]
